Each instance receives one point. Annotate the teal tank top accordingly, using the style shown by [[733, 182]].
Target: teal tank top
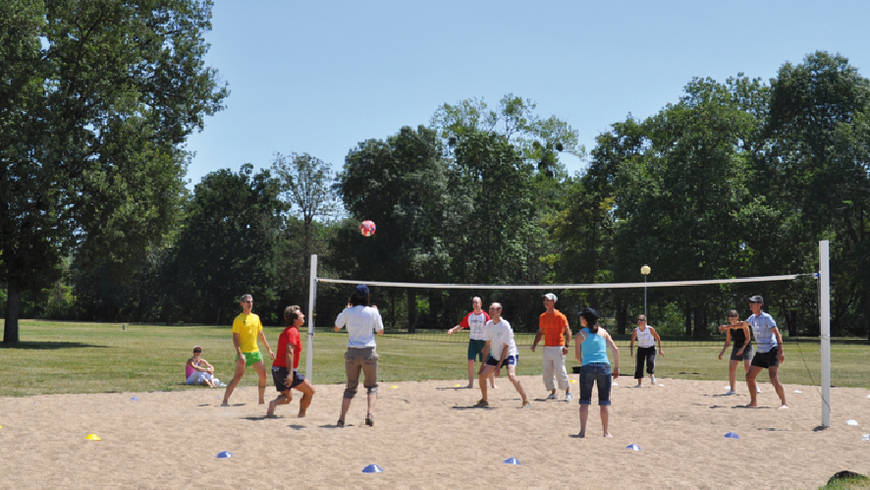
[[594, 348]]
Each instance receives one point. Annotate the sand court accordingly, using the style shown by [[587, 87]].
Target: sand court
[[427, 435]]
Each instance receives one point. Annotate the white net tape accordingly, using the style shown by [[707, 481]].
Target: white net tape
[[614, 285]]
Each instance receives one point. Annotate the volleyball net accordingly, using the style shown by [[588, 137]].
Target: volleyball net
[[424, 311]]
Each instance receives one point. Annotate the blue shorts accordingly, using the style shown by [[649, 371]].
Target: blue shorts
[[591, 373], [279, 376], [508, 361], [475, 349]]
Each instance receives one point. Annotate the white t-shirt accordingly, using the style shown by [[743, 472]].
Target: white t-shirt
[[500, 334], [362, 322], [476, 324]]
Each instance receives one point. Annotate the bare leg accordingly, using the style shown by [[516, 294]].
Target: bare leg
[[470, 373], [750, 385], [492, 379], [261, 386], [281, 399], [512, 375], [307, 394], [605, 415], [774, 380], [732, 375], [345, 405], [584, 416], [237, 376], [372, 398], [485, 371]]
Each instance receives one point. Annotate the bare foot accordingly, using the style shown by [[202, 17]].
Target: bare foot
[[300, 415], [581, 434], [469, 385], [261, 402], [271, 411], [751, 405], [225, 404]]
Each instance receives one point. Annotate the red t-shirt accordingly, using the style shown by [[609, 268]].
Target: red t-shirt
[[290, 336]]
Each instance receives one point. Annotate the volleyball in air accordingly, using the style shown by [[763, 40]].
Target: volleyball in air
[[367, 228]]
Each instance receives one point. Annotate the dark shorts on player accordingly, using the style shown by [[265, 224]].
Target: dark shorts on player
[[475, 349], [508, 361], [747, 353], [767, 359], [279, 376]]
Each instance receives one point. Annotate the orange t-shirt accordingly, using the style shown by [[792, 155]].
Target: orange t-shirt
[[553, 326]]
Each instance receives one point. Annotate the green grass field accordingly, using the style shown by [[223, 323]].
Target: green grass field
[[76, 357]]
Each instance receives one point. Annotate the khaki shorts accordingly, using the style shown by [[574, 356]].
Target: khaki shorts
[[366, 360]]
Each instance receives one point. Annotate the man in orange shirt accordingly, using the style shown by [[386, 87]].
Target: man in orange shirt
[[553, 326]]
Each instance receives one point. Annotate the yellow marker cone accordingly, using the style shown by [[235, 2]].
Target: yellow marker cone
[[573, 380], [394, 387], [93, 437], [456, 386]]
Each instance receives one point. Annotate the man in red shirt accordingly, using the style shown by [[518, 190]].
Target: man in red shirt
[[553, 326], [289, 351]]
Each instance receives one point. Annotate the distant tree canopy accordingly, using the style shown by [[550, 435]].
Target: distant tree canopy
[[736, 178], [95, 100]]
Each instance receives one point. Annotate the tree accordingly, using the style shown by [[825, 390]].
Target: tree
[[97, 98], [819, 161], [306, 183], [228, 246]]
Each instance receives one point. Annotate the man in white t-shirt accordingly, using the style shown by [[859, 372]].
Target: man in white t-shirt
[[500, 350], [362, 322], [474, 321]]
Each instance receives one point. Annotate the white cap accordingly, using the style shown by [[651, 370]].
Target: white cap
[[551, 297]]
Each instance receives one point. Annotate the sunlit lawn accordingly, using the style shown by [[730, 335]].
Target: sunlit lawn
[[76, 357]]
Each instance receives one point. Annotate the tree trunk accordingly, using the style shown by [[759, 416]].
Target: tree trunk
[[621, 317], [13, 308], [700, 314], [687, 319], [412, 311]]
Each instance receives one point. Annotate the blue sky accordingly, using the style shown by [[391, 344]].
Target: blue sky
[[319, 77]]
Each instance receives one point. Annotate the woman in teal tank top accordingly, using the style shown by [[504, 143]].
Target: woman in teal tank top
[[591, 353]]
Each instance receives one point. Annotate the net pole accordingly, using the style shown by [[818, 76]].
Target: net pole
[[825, 329], [312, 285]]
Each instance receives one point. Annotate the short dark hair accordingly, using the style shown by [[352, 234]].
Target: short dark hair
[[291, 313]]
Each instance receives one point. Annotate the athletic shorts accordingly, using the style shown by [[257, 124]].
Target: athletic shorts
[[747, 353], [279, 375], [251, 358], [767, 359], [475, 349], [508, 361]]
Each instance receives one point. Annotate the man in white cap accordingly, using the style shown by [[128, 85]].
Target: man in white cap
[[553, 326], [768, 352]]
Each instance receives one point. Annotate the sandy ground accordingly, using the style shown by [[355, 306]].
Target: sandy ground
[[426, 435]]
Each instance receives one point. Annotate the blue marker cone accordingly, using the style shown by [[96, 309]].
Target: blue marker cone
[[134, 398], [373, 468], [633, 447], [731, 435], [225, 454], [512, 461]]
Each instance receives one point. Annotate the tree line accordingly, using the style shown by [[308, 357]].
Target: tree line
[[736, 178]]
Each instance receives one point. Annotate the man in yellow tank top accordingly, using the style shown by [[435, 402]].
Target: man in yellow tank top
[[247, 328]]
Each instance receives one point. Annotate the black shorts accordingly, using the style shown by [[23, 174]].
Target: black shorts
[[747, 353], [767, 359], [279, 375]]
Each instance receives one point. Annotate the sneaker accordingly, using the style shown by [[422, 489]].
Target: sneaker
[[569, 396], [652, 379], [551, 396], [730, 392], [757, 389], [481, 404], [340, 423], [370, 420]]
